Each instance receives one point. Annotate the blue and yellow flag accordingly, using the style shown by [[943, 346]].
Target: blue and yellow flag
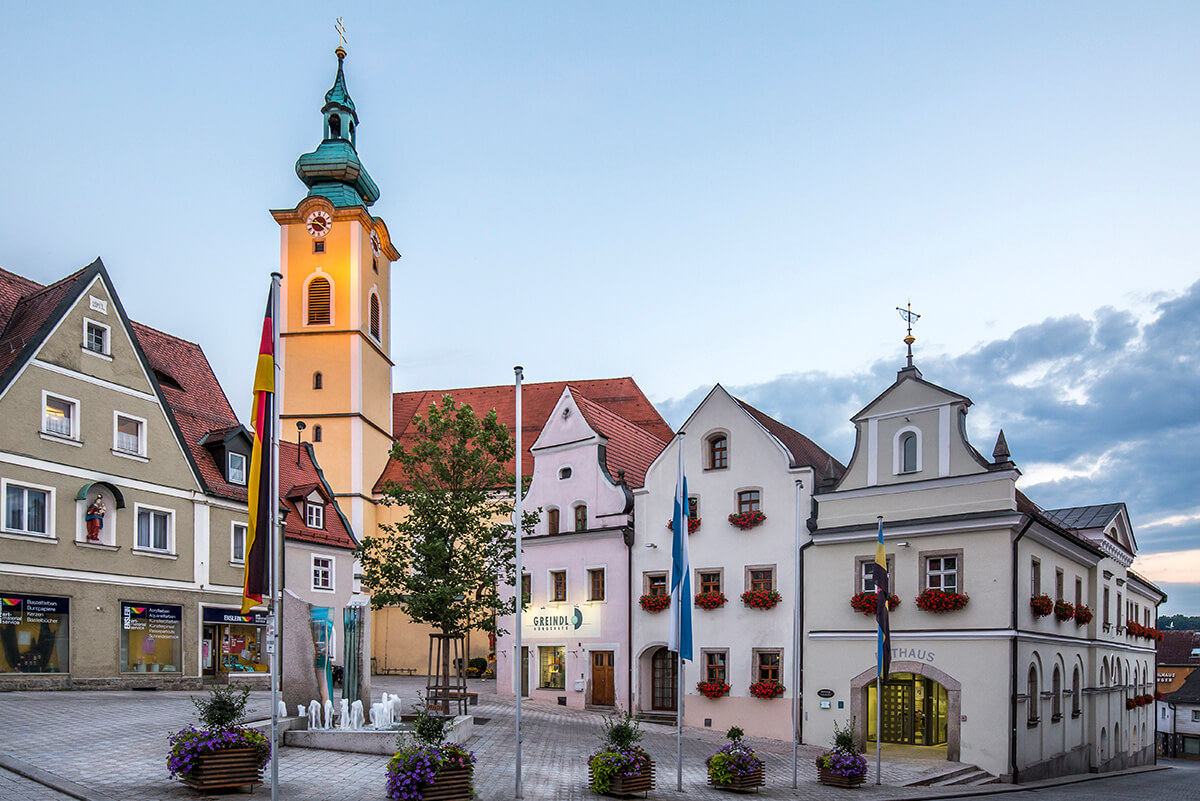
[[884, 640]]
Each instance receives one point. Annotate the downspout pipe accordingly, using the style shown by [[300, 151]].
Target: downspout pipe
[[1015, 625], [627, 535]]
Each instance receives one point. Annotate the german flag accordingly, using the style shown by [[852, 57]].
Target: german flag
[[258, 535], [884, 640]]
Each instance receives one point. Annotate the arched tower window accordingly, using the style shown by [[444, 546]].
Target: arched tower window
[[335, 126], [320, 296], [908, 453], [376, 318], [316, 433], [317, 380]]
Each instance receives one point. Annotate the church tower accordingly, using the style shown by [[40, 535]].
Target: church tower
[[336, 261]]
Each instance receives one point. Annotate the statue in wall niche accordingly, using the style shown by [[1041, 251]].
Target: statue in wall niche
[[94, 519]]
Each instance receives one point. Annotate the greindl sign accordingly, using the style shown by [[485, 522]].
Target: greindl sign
[[570, 621]]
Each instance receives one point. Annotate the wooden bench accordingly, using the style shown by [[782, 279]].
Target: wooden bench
[[396, 671], [435, 698]]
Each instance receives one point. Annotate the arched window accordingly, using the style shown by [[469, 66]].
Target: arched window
[[581, 517], [1104, 673], [718, 452], [1075, 693], [908, 453], [316, 433], [376, 318], [1117, 673], [1056, 687], [335, 126], [317, 379], [1032, 691], [552, 521], [320, 294]]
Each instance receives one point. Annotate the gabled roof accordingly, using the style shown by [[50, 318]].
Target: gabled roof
[[28, 311], [1189, 693], [1095, 516], [1027, 506], [299, 475], [802, 450], [910, 374], [621, 396], [1176, 648], [629, 447]]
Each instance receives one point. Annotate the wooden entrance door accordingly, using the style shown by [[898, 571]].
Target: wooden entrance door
[[603, 687], [663, 670], [524, 671]]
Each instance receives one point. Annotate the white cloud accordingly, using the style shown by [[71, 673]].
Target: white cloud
[[1170, 566], [1173, 521]]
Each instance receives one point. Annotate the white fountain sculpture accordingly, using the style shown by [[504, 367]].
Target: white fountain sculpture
[[314, 715], [282, 709], [356, 715], [300, 710], [376, 716], [344, 717], [328, 714], [395, 708]]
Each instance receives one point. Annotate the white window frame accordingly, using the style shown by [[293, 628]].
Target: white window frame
[[313, 572], [106, 352], [233, 538], [314, 514], [141, 448], [229, 468], [943, 572], [49, 533], [138, 508], [898, 453], [75, 411], [319, 273], [1196, 716]]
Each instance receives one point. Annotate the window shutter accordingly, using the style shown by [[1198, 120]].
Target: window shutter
[[318, 301], [375, 321]]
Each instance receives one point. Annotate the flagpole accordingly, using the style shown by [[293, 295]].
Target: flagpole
[[276, 538], [682, 508], [879, 674], [796, 642], [518, 663]]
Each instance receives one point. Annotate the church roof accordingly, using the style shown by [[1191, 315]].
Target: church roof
[[338, 94], [619, 396]]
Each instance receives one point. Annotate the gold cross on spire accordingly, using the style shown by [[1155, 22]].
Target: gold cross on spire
[[340, 27], [909, 317]]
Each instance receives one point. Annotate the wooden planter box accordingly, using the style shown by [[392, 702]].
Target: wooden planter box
[[453, 784], [742, 784], [623, 786], [228, 768], [835, 780]]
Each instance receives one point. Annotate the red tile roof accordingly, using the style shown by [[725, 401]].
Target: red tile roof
[[630, 448], [802, 449], [1175, 648], [620, 396], [25, 306], [295, 482]]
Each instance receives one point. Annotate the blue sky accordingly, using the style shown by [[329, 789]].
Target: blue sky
[[688, 193]]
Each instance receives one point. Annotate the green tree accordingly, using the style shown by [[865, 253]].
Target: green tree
[[448, 557]]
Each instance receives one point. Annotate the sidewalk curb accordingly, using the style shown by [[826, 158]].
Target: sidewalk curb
[[47, 779]]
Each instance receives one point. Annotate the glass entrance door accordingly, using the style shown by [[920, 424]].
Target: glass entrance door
[[914, 710]]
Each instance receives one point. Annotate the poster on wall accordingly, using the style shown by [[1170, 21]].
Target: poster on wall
[[151, 637], [572, 621]]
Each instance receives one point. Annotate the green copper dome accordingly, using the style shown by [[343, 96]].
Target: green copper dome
[[333, 170]]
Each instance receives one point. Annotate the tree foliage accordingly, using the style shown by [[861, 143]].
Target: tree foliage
[[1187, 622], [453, 549]]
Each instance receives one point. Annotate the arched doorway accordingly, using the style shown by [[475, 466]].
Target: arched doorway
[[663, 678], [921, 706]]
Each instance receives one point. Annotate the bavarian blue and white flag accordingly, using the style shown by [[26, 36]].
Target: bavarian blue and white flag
[[681, 570]]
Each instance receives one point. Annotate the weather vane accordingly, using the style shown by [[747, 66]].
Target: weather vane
[[340, 27], [909, 316]]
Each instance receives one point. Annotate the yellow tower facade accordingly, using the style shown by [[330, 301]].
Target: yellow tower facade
[[336, 261]]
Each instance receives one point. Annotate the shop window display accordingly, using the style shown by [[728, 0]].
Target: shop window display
[[151, 638], [551, 668], [34, 634]]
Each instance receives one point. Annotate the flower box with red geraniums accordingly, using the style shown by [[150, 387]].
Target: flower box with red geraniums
[[713, 599], [1063, 610], [865, 602], [942, 601], [693, 524], [767, 688], [1130, 703], [1041, 605], [713, 688], [1083, 615], [761, 599], [655, 603], [747, 520]]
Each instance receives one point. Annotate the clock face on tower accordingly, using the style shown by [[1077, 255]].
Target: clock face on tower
[[319, 223], [375, 246]]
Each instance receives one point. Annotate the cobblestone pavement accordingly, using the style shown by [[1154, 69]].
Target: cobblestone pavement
[[114, 744], [18, 788]]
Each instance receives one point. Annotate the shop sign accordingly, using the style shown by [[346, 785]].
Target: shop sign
[[214, 615], [17, 609], [159, 622], [578, 622], [825, 693]]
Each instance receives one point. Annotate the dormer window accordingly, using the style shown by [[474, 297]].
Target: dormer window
[[236, 468], [314, 515]]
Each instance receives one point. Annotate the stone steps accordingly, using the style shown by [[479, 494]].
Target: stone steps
[[963, 775]]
